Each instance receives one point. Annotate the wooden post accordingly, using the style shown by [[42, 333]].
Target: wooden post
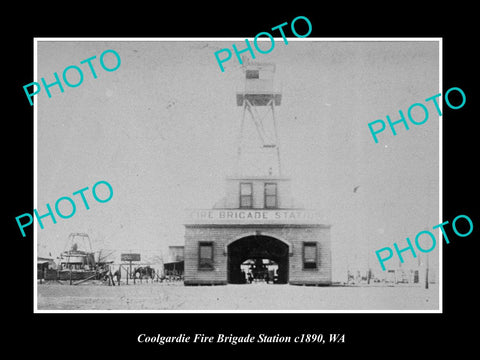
[[83, 280], [426, 275], [127, 276], [70, 276]]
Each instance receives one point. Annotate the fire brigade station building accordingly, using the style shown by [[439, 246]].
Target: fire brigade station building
[[257, 222]]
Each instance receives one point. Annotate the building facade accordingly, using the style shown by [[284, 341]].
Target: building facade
[[256, 220]]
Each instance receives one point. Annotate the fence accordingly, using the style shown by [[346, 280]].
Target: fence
[[119, 274]]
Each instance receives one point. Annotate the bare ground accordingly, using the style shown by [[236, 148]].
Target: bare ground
[[176, 296]]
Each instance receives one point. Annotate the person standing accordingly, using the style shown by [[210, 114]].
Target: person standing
[[118, 275]]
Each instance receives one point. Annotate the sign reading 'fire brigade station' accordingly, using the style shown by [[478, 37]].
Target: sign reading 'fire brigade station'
[[253, 216]]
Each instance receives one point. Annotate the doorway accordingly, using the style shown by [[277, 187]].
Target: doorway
[[264, 257]]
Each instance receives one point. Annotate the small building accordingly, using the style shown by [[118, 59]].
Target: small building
[[175, 263], [43, 265], [176, 253]]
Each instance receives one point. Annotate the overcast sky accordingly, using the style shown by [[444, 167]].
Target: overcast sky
[[162, 130]]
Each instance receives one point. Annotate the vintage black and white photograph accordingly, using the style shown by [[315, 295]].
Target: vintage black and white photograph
[[207, 175]]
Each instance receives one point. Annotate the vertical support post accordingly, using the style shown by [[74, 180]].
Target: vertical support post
[[258, 122], [277, 145], [240, 139], [426, 274]]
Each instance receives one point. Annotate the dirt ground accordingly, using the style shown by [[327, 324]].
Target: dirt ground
[[260, 296]]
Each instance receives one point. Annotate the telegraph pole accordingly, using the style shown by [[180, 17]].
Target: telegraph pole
[[426, 274]]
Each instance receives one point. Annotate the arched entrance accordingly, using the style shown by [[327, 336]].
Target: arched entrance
[[257, 247]]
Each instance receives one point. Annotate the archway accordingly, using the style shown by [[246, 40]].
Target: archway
[[257, 247]]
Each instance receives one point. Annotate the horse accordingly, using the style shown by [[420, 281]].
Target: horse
[[146, 271]]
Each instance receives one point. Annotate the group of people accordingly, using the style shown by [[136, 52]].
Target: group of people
[[251, 276], [110, 277]]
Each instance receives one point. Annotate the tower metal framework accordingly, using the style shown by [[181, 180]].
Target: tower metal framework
[[259, 99]]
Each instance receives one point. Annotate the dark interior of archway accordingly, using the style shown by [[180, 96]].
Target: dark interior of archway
[[257, 247]]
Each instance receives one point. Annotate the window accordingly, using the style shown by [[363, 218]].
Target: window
[[246, 195], [270, 195], [252, 74], [205, 255], [309, 255]]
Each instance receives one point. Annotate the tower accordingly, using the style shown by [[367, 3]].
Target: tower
[[258, 100]]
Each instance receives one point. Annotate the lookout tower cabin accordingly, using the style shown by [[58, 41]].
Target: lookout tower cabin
[[257, 232], [259, 90]]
